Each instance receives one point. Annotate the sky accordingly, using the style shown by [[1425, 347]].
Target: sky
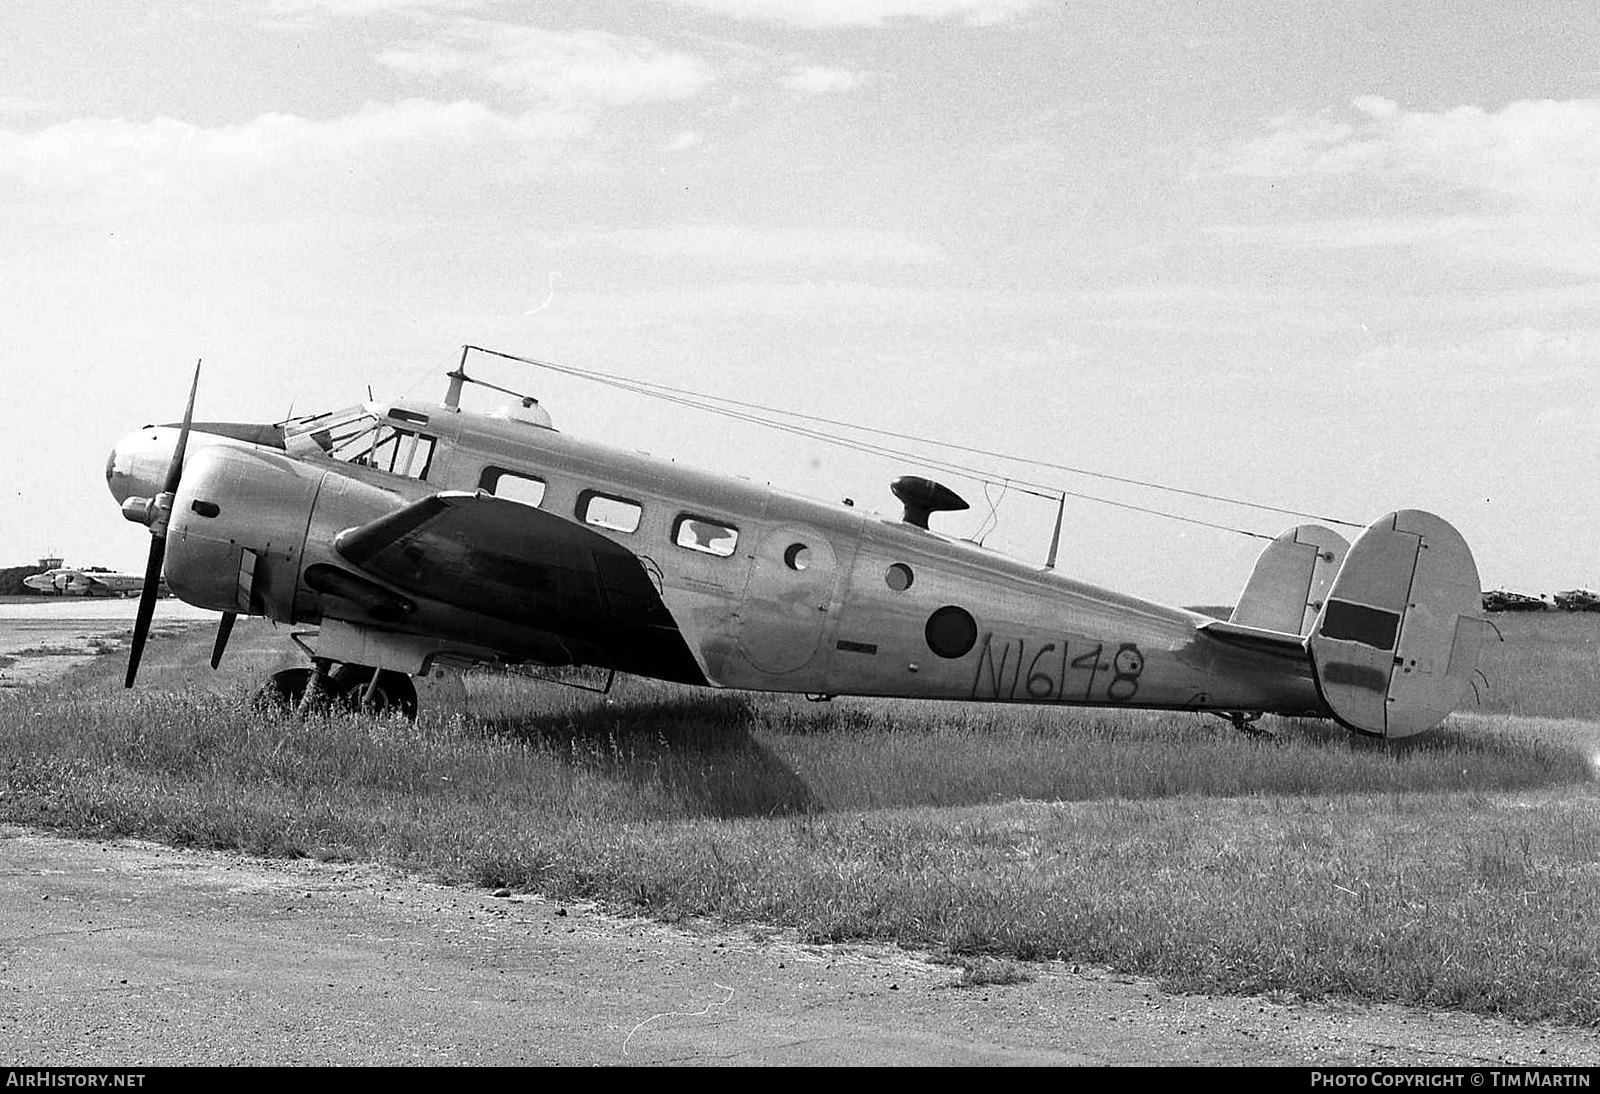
[[1336, 258]]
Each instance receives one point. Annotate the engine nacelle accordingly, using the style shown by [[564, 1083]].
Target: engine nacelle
[[237, 530], [252, 532]]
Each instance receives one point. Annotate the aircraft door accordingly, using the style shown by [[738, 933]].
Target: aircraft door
[[790, 590]]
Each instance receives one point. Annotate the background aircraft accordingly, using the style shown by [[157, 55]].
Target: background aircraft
[[68, 581], [1577, 600], [420, 537]]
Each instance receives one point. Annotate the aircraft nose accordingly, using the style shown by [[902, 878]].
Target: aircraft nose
[[137, 465]]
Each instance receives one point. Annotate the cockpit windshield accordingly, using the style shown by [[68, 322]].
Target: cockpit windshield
[[358, 436]]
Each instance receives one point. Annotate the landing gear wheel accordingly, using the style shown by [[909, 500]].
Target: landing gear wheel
[[390, 692], [351, 687], [285, 689]]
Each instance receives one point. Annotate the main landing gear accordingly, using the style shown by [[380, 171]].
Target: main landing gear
[[347, 687]]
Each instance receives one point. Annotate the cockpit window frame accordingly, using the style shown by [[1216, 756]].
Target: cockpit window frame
[[403, 447], [362, 437]]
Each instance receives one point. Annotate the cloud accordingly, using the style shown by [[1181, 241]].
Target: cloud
[[309, 16], [1540, 151], [99, 165], [357, 9], [682, 141], [820, 80], [1544, 367], [866, 13], [16, 106], [1475, 187], [1356, 232], [555, 66], [1460, 245], [751, 245]]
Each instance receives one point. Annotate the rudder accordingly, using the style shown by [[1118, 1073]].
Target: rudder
[[1397, 641]]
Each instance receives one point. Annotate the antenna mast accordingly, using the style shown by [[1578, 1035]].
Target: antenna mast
[[452, 397]]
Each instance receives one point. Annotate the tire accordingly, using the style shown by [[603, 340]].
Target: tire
[[285, 689], [347, 686], [395, 693]]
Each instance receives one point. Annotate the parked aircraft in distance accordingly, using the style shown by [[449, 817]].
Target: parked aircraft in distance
[[417, 537], [1503, 600], [1577, 600], [91, 581]]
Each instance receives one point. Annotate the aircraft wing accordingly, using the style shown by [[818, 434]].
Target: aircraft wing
[[512, 562]]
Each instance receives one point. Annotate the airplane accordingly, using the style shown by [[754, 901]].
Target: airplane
[[419, 537], [68, 581], [1577, 600], [1503, 600]]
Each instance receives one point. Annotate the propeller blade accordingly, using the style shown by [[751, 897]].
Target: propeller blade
[[158, 544], [147, 606], [224, 629], [175, 468]]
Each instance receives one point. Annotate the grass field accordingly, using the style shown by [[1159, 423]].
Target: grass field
[[1459, 870]]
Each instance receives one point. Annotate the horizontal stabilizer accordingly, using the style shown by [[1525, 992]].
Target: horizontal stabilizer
[[1291, 579], [1395, 645], [1276, 643]]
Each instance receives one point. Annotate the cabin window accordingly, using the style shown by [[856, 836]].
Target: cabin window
[[700, 534], [899, 577], [527, 489], [606, 511], [797, 557]]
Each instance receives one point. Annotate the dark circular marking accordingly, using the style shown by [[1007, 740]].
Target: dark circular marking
[[951, 632]]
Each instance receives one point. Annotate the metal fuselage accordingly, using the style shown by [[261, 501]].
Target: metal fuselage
[[807, 597]]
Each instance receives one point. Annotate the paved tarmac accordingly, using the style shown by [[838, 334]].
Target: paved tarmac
[[121, 954], [44, 636]]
